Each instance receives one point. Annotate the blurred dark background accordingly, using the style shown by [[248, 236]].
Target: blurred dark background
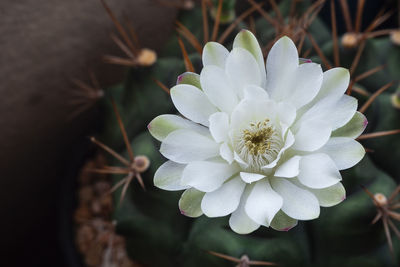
[[43, 45]]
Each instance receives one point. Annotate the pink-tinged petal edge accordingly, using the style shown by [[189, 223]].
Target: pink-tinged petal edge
[[365, 123], [304, 60], [286, 229], [180, 77]]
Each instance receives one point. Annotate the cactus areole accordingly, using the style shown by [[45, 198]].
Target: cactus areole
[[263, 143]]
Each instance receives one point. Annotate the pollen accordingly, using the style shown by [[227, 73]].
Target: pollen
[[258, 144], [257, 138]]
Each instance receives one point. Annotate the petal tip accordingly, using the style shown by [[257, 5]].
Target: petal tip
[[286, 229], [365, 122], [179, 79]]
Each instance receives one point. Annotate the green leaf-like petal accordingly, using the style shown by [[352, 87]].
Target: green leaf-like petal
[[190, 203], [161, 126], [189, 78], [354, 128]]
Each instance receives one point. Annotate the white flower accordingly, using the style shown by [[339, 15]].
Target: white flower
[[264, 145]]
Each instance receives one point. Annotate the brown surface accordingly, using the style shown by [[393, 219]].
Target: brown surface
[[44, 44]]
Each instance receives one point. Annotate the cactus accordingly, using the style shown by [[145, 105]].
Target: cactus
[[155, 231]]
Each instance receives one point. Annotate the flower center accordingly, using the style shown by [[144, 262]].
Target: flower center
[[257, 139], [259, 144]]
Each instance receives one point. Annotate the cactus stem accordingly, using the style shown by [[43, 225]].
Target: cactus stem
[[233, 25], [384, 32], [188, 63], [119, 27], [161, 85], [358, 89], [277, 11], [216, 22], [367, 150], [360, 7], [292, 10], [357, 58], [252, 25], [263, 13], [374, 96], [244, 261], [123, 131], [369, 73], [378, 134], [181, 4], [334, 35], [301, 43], [319, 51], [205, 20], [185, 32], [110, 151], [346, 14]]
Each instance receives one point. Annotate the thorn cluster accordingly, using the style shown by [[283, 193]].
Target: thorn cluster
[[130, 45], [85, 95], [134, 166], [244, 261], [386, 211]]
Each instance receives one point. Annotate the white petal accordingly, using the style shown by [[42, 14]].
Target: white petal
[[318, 171], [252, 111], [246, 40], [218, 88], [208, 176], [184, 146], [344, 151], [248, 177], [189, 78], [282, 222], [255, 92], [239, 221], [214, 54], [282, 62], [336, 114], [334, 85], [190, 201], [226, 152], [286, 113], [242, 69], [168, 176], [327, 197], [354, 128], [192, 103], [343, 111], [289, 169], [305, 85], [239, 160], [263, 203], [161, 126], [312, 135], [289, 141], [224, 200], [219, 126], [330, 196], [298, 203]]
